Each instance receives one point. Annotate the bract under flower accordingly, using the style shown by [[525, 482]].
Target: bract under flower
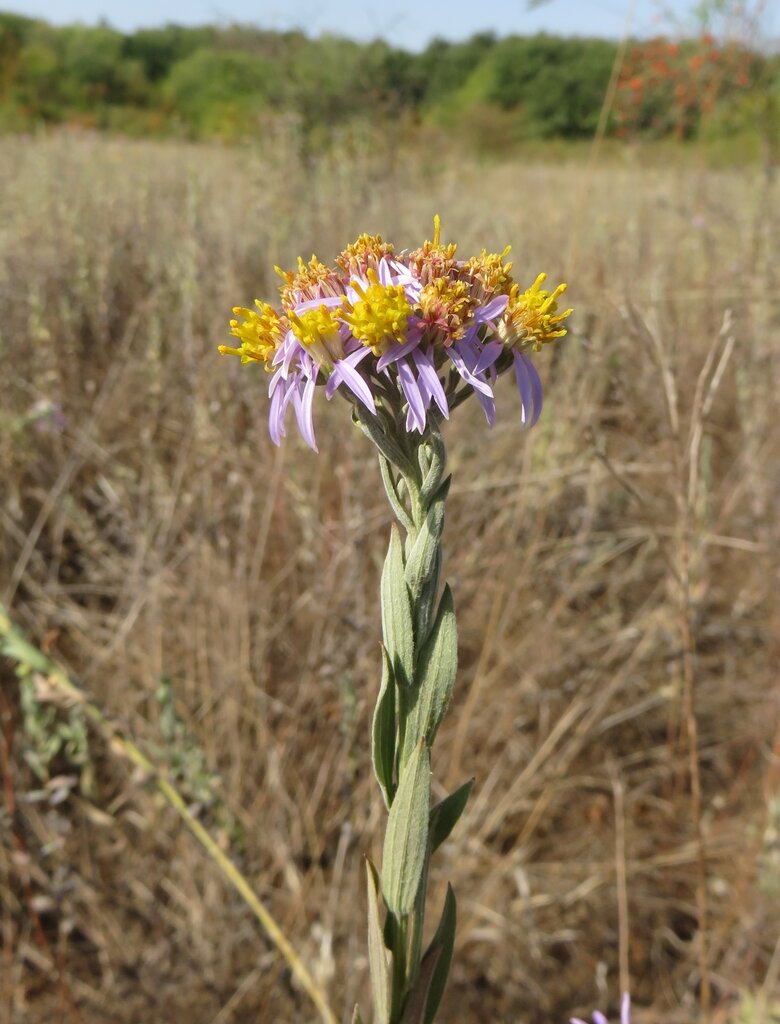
[[415, 333]]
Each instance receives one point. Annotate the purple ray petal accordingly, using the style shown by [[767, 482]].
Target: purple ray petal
[[353, 358], [426, 373], [412, 393], [303, 412], [345, 373], [491, 309], [395, 352], [385, 274], [425, 392], [329, 301], [524, 387], [358, 355], [489, 354], [536, 389], [599, 1018], [276, 416], [308, 365], [290, 349], [625, 1009], [411, 422], [488, 407], [537, 397], [276, 378], [456, 356]]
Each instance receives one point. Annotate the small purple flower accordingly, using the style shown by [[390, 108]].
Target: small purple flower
[[46, 416], [599, 1018]]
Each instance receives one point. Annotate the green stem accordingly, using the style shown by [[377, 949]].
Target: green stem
[[412, 467]]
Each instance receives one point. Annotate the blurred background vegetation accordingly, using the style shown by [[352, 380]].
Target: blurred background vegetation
[[227, 83]]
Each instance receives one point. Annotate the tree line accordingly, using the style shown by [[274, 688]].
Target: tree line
[[225, 83]]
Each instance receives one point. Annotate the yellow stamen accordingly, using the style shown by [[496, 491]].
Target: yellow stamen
[[445, 307], [532, 318], [318, 330], [380, 316], [260, 334]]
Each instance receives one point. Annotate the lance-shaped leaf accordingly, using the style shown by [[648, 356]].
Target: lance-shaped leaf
[[406, 839], [397, 611], [419, 997], [426, 603], [421, 559], [377, 955], [434, 678], [445, 815], [440, 951], [383, 732]]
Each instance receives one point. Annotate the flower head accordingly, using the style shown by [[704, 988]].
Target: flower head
[[318, 330], [312, 280], [433, 259], [414, 333], [364, 254], [444, 308], [260, 334], [489, 274], [532, 318], [380, 316]]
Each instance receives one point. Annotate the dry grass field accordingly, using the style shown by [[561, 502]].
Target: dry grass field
[[615, 571]]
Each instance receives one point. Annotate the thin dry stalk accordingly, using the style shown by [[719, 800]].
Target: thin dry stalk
[[31, 659], [621, 879]]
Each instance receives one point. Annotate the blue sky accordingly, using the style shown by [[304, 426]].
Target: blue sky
[[407, 23]]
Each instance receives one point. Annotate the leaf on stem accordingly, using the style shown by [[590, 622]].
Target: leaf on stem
[[406, 839], [383, 732], [440, 953], [417, 1001], [445, 815], [397, 611], [377, 955], [422, 557], [434, 678]]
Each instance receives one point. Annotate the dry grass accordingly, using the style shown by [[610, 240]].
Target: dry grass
[[162, 535]]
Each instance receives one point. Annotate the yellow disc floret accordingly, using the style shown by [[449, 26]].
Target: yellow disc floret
[[364, 253], [532, 318], [312, 280], [489, 274], [318, 331], [433, 260], [381, 315], [260, 334], [445, 307]]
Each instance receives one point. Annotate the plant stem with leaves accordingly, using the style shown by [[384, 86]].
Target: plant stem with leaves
[[419, 664]]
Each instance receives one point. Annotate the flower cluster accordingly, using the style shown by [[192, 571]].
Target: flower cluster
[[422, 329]]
